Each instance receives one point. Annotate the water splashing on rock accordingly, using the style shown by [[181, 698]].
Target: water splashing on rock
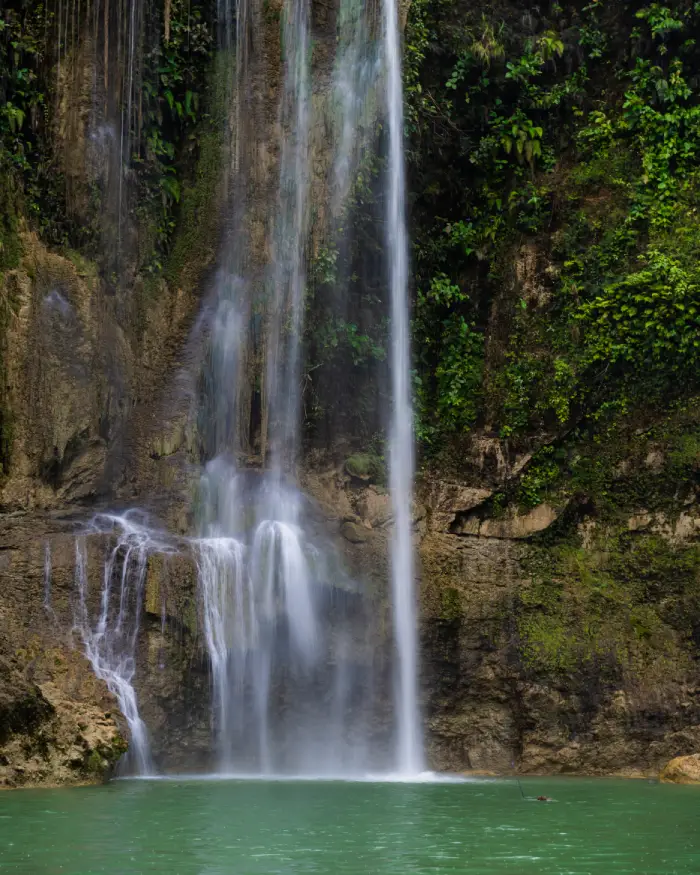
[[109, 626]]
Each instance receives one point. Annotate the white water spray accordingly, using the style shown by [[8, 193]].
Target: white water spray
[[222, 580], [259, 585], [401, 462], [110, 641]]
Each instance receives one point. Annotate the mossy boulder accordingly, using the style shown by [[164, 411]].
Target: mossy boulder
[[364, 466], [682, 770], [354, 532]]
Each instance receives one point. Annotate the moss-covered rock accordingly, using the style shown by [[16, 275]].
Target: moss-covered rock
[[354, 532], [49, 737], [364, 466], [682, 770]]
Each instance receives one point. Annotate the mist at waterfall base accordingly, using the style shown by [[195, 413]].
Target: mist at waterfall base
[[297, 687], [284, 627]]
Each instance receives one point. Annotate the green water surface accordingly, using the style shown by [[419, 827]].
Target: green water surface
[[593, 827]]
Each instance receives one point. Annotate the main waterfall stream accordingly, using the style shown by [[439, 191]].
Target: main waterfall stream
[[295, 687], [401, 435]]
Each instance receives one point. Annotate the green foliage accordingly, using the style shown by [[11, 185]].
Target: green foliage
[[450, 605], [20, 53], [578, 129], [684, 454], [456, 354], [334, 336], [479, 93], [338, 335], [649, 319], [542, 473], [325, 266], [458, 375], [660, 20], [608, 469], [621, 602], [94, 764], [519, 135], [31, 183], [366, 466], [175, 99], [195, 230], [346, 325]]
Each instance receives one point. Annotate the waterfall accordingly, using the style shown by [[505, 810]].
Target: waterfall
[[401, 463], [260, 586], [134, 17], [289, 239], [222, 579], [110, 640], [254, 578], [257, 583], [290, 640], [357, 70]]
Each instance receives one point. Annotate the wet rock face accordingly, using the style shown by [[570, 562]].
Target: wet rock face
[[496, 700], [54, 741], [22, 707], [353, 532], [515, 526], [485, 707], [484, 711], [50, 735], [58, 723], [54, 387], [81, 373]]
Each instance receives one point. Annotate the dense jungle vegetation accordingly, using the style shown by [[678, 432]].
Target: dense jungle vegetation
[[555, 192]]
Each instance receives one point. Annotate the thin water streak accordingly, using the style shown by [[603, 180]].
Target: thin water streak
[[290, 233], [401, 458]]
